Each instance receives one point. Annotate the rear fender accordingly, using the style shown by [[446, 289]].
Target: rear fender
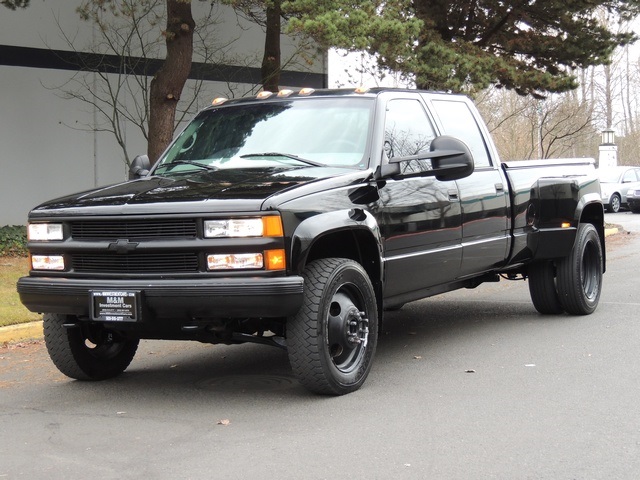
[[558, 206], [591, 211]]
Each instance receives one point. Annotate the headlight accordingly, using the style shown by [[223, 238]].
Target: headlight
[[235, 261], [270, 260], [268, 226], [44, 231], [239, 227], [47, 262]]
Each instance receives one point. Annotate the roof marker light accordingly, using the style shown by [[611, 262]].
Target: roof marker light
[[362, 89], [307, 91], [264, 95], [285, 93], [219, 101]]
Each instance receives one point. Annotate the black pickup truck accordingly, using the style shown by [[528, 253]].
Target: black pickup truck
[[295, 220]]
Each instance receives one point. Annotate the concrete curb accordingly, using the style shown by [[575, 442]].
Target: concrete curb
[[33, 330], [21, 332]]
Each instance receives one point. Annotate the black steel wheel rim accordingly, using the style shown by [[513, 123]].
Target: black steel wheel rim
[[101, 344], [590, 271], [347, 329]]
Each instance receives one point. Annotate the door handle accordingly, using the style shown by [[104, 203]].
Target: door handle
[[453, 195], [499, 187]]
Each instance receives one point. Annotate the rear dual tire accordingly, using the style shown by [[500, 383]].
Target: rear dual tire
[[579, 275], [572, 284], [542, 288], [86, 351]]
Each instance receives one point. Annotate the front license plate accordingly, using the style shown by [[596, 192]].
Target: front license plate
[[115, 306]]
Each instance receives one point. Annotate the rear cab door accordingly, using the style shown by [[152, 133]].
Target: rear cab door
[[484, 195]]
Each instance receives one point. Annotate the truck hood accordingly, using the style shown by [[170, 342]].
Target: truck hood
[[223, 190]]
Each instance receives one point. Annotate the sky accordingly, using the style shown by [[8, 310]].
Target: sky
[[345, 70]]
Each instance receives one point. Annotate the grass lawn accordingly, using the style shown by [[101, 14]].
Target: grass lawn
[[11, 310]]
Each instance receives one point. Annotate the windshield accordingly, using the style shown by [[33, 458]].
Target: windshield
[[609, 176], [303, 132]]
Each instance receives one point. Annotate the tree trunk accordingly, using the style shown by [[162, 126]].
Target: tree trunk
[[630, 126], [271, 61], [167, 84], [608, 96]]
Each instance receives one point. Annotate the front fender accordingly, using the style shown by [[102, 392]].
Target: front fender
[[311, 230]]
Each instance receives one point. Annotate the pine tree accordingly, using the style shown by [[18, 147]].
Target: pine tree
[[15, 4], [532, 47]]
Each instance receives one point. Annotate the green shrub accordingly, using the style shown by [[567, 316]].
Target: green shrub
[[13, 241]]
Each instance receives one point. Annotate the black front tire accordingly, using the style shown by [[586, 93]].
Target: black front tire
[[542, 287], [332, 339], [579, 275], [86, 352]]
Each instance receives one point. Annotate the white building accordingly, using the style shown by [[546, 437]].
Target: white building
[[49, 144]]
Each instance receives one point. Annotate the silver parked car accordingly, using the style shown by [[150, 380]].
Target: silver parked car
[[613, 185]]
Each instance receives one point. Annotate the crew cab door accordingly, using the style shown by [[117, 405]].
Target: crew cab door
[[419, 217], [483, 194]]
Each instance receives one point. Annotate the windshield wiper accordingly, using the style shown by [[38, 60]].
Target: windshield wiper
[[286, 155], [188, 162]]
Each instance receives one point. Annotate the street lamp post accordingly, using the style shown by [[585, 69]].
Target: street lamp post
[[608, 149]]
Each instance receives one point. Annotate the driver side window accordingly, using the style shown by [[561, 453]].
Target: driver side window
[[408, 131]]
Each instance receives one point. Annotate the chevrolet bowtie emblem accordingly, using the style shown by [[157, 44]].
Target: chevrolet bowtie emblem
[[123, 245]]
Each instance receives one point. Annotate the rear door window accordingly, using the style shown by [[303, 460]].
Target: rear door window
[[458, 121]]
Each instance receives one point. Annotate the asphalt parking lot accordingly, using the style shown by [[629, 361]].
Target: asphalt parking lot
[[471, 384]]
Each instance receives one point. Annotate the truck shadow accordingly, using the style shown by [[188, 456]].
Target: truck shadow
[[427, 319], [439, 329]]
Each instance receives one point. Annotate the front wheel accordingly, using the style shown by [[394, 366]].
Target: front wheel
[[332, 339], [86, 352], [579, 275], [614, 203]]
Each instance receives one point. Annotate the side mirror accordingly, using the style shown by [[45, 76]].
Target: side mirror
[[139, 167], [450, 158], [454, 160]]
